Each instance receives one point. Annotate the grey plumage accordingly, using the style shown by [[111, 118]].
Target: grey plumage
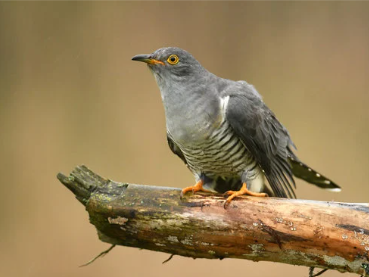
[[223, 130]]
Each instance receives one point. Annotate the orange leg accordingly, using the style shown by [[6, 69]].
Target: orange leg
[[195, 188], [232, 194]]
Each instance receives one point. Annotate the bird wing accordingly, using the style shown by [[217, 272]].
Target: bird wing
[[265, 138], [175, 149]]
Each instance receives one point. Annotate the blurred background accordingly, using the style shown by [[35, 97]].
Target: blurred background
[[70, 95]]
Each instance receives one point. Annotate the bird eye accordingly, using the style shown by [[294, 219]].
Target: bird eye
[[173, 59]]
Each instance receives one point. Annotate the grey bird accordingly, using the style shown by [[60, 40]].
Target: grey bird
[[223, 131]]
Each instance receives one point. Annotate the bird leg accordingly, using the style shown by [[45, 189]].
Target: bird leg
[[232, 194], [195, 188]]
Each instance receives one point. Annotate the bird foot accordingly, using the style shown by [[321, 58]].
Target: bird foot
[[195, 188], [232, 194]]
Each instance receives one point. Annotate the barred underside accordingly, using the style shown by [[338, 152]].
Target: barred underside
[[221, 155]]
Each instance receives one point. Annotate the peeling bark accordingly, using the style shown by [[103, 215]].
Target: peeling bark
[[300, 232]]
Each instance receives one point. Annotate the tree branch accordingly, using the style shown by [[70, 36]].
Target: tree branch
[[300, 232]]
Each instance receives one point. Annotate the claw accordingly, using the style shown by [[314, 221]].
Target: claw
[[226, 204], [242, 191], [195, 188]]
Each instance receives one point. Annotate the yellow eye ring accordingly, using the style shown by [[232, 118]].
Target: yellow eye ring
[[173, 59]]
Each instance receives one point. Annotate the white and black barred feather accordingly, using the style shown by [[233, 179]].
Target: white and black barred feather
[[221, 154]]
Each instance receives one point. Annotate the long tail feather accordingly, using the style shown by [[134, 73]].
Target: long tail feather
[[306, 173]]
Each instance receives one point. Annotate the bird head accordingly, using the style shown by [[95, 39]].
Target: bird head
[[171, 64]]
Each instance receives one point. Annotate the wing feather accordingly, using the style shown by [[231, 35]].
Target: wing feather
[[266, 139], [175, 149]]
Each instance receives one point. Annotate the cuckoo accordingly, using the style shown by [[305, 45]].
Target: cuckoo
[[224, 132]]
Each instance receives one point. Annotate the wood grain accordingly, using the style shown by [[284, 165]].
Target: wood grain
[[299, 232]]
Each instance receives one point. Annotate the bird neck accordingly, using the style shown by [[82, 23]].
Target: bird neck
[[191, 109]]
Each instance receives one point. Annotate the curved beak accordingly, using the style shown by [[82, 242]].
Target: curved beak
[[146, 58]]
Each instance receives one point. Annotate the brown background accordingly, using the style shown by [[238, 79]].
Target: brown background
[[70, 95]]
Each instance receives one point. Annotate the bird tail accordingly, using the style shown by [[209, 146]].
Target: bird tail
[[306, 173]]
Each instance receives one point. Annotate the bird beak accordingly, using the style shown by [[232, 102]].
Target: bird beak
[[146, 58]]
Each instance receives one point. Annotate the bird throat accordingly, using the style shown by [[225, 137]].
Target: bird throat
[[191, 117]]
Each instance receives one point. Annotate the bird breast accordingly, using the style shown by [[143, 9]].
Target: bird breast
[[221, 154], [212, 147], [192, 118]]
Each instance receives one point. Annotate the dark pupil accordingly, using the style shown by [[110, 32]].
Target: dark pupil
[[172, 59]]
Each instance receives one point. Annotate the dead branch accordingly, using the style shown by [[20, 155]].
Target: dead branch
[[300, 232]]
